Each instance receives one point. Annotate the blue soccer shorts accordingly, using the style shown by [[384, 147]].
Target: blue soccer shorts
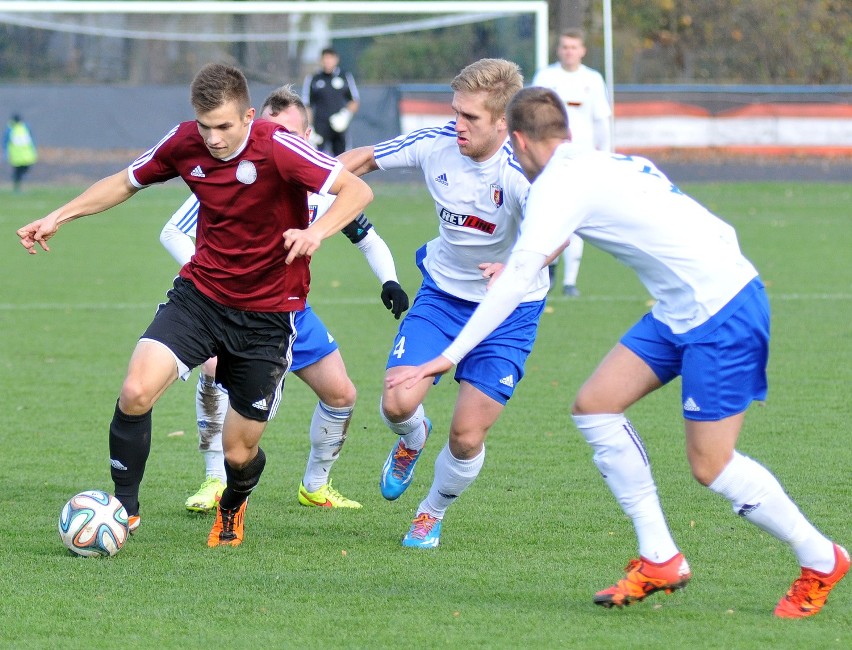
[[313, 340], [722, 363], [495, 366]]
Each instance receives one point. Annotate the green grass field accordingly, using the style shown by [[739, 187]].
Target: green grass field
[[522, 551]]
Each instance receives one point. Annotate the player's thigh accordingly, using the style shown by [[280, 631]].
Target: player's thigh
[[399, 402], [621, 379], [710, 445], [152, 369], [328, 379], [474, 414]]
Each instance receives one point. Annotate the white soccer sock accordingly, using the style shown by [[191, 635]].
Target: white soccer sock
[[452, 477], [211, 405], [757, 495], [329, 426], [621, 458], [412, 431]]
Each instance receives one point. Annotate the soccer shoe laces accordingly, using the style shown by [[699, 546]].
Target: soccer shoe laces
[[228, 517], [808, 591], [402, 458], [422, 525], [332, 493]]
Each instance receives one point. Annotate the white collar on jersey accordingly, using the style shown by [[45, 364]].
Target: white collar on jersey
[[241, 147]]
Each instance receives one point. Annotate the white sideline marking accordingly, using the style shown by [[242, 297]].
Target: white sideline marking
[[150, 306]]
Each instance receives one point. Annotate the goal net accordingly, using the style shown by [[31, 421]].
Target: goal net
[[166, 42]]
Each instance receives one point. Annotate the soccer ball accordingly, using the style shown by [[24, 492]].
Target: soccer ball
[[93, 523]]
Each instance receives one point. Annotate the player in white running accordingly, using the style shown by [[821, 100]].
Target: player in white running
[[316, 358], [480, 193], [583, 92], [710, 326]]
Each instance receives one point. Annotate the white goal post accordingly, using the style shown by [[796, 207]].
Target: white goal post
[[447, 10]]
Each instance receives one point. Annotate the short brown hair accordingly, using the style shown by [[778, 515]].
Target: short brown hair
[[283, 98], [215, 85], [499, 78], [573, 32], [538, 113]]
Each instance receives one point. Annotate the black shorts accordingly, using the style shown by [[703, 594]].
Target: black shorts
[[254, 348]]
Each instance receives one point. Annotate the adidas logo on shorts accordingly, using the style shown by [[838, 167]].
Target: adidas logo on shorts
[[261, 405], [508, 380], [690, 405]]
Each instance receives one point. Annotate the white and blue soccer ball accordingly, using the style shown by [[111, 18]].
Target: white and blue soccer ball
[[93, 523]]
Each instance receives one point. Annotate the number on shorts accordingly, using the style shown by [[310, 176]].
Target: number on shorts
[[399, 348]]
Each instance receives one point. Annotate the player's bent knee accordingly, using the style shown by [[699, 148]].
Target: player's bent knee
[[343, 397], [136, 398], [705, 473], [395, 407]]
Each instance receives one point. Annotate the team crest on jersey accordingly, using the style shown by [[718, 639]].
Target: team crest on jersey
[[497, 195], [246, 172], [337, 83], [312, 212]]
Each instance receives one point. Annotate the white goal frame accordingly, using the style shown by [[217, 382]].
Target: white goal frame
[[538, 8]]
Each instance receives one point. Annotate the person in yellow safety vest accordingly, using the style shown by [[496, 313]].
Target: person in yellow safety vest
[[19, 148]]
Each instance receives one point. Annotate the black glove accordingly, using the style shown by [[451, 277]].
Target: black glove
[[394, 298]]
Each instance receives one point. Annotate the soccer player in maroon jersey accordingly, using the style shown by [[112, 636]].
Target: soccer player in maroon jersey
[[237, 295]]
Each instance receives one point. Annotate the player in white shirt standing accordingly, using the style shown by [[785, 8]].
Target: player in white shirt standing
[[710, 326], [480, 193], [584, 93], [316, 358]]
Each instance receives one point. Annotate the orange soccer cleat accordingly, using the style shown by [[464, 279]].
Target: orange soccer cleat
[[228, 528], [644, 578], [810, 590]]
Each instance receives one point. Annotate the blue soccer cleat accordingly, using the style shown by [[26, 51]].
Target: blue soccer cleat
[[425, 532], [398, 469]]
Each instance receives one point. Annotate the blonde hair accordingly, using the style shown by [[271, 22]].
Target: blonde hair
[[499, 78]]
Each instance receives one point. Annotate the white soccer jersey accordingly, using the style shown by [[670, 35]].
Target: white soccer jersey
[[687, 258], [584, 94], [479, 205]]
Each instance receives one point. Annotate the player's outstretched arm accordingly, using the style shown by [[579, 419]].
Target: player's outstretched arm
[[380, 259], [359, 161], [103, 195], [411, 376]]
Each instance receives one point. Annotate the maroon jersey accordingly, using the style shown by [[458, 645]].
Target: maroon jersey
[[246, 204]]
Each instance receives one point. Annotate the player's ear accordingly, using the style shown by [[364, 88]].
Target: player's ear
[[249, 116], [519, 141]]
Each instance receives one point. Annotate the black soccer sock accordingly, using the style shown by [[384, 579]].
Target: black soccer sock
[[129, 446], [242, 481]]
